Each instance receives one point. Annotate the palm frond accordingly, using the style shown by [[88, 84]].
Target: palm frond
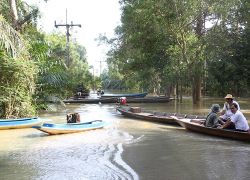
[[10, 39]]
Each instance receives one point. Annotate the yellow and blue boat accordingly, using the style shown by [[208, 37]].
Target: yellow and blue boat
[[54, 129]]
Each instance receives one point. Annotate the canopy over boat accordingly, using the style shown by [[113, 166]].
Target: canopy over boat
[[19, 123], [70, 127]]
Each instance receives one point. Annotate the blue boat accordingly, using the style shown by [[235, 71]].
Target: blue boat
[[133, 95], [53, 129], [19, 123]]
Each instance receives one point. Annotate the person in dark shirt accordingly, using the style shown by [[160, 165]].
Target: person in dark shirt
[[212, 119]]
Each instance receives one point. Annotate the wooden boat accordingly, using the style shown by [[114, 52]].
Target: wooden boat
[[92, 101], [134, 95], [114, 100], [159, 117], [81, 96], [19, 123], [53, 129], [191, 125], [149, 100]]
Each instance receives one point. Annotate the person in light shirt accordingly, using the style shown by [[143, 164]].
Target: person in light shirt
[[226, 111], [238, 119]]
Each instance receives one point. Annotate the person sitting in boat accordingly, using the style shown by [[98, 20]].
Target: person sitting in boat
[[100, 92], [212, 119], [238, 119], [73, 118], [226, 111], [122, 100]]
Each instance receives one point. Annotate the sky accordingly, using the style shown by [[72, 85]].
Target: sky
[[95, 16]]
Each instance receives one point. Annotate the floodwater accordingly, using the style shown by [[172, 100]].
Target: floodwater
[[127, 149]]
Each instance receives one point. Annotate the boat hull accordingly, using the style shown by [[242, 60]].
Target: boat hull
[[159, 117], [115, 99], [136, 95], [92, 101], [19, 123], [54, 129], [225, 133]]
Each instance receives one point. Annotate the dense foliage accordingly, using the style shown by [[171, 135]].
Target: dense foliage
[[183, 47], [176, 47], [32, 63], [18, 72], [16, 86]]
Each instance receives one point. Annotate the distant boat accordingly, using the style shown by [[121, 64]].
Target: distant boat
[[65, 128], [115, 100], [133, 95], [92, 101], [19, 123]]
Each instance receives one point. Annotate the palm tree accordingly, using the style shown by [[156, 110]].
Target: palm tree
[[10, 40], [17, 74]]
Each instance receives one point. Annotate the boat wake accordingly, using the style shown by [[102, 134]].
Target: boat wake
[[92, 155]]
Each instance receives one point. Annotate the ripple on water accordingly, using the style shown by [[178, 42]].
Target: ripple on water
[[89, 155]]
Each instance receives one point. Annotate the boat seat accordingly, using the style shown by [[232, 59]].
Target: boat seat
[[135, 109], [159, 114], [191, 116]]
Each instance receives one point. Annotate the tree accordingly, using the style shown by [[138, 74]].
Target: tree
[[55, 79], [17, 74], [173, 43], [228, 42]]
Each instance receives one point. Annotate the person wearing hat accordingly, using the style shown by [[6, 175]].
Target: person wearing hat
[[212, 119], [238, 120], [226, 111]]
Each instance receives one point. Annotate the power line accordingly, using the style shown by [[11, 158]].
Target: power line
[[67, 35]]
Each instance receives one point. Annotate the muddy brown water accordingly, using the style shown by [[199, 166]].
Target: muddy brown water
[[126, 149]]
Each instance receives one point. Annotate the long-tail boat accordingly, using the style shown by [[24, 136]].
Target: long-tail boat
[[195, 126], [133, 95], [160, 117]]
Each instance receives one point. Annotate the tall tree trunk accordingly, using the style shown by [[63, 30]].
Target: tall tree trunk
[[13, 13], [196, 90], [198, 65], [177, 89], [181, 90]]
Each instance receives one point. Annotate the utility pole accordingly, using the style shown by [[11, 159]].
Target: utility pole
[[67, 35], [100, 66], [92, 67]]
